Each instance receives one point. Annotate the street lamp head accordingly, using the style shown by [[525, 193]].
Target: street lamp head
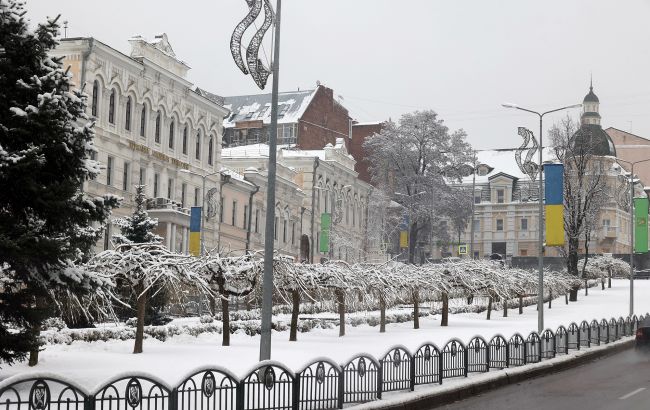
[[575, 106], [509, 105]]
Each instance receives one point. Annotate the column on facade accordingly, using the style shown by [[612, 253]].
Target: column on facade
[[173, 238], [168, 237], [184, 235]]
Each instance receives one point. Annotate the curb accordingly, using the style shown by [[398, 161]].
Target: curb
[[439, 396]]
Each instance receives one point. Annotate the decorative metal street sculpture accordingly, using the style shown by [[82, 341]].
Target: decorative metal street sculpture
[[527, 166], [213, 205], [253, 64]]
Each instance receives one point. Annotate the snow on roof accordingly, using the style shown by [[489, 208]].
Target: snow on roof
[[217, 99], [234, 175], [504, 162], [262, 151], [291, 107]]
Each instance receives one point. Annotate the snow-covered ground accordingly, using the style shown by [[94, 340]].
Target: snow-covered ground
[[90, 364]]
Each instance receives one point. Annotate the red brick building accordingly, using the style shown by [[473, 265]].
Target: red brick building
[[308, 119], [360, 132]]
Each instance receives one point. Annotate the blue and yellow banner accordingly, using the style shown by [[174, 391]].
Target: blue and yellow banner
[[640, 225], [195, 231], [554, 196]]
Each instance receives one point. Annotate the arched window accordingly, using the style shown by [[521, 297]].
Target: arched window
[[127, 115], [171, 135], [157, 133], [210, 149], [143, 120], [197, 150], [95, 102], [185, 140], [111, 107]]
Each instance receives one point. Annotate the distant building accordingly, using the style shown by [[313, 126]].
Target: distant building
[[360, 133], [152, 128], [307, 119]]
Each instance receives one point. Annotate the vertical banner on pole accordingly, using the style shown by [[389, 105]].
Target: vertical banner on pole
[[554, 196], [640, 225], [403, 239], [325, 224], [195, 231]]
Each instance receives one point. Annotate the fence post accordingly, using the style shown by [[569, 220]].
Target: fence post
[[507, 353], [380, 378], [239, 395], [487, 357], [412, 371], [341, 387], [465, 359], [525, 352], [441, 370], [295, 393], [89, 403], [173, 399]]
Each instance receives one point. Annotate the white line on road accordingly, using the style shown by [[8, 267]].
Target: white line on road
[[632, 393]]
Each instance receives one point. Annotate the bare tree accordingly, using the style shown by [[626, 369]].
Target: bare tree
[[413, 160], [585, 187]]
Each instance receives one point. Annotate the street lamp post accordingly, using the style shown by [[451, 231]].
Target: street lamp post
[[632, 228], [203, 207], [540, 258]]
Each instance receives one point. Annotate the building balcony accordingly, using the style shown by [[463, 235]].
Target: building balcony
[[168, 211]]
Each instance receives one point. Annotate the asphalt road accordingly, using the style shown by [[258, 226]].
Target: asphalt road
[[617, 382]]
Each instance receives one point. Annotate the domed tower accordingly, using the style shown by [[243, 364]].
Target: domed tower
[[591, 131]]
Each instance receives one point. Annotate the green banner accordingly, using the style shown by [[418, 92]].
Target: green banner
[[640, 225], [325, 224]]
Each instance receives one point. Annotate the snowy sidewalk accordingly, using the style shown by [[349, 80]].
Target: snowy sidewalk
[[90, 364]]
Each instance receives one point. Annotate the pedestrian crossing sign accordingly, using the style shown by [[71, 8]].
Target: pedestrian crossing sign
[[462, 249]]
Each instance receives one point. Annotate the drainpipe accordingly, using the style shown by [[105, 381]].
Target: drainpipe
[[313, 208], [223, 180], [250, 217]]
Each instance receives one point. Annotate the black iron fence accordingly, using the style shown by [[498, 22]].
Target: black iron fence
[[322, 384]]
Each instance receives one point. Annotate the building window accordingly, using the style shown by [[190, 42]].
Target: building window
[[197, 148], [500, 196], [185, 140], [93, 156], [95, 102], [143, 176], [257, 221], [171, 135], [156, 179], [170, 189], [196, 196], [477, 225], [111, 108], [284, 230], [109, 171], [275, 229], [127, 115], [524, 224], [210, 149], [293, 233], [143, 120], [234, 213], [499, 224], [125, 177], [354, 216], [523, 252], [157, 132], [183, 191], [477, 197], [245, 216], [221, 207]]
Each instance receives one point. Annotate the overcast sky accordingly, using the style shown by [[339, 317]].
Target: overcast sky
[[387, 57]]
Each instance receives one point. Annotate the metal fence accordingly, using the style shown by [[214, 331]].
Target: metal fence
[[322, 384]]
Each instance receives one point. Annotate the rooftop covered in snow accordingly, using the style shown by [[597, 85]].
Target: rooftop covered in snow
[[291, 107]]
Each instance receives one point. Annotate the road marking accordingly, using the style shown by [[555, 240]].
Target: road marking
[[632, 393]]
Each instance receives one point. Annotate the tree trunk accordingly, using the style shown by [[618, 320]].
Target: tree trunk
[[225, 312], [602, 283], [382, 315], [609, 279], [489, 308], [521, 304], [413, 237], [293, 333], [33, 354], [572, 265], [416, 310], [141, 305], [444, 321], [505, 307], [550, 298], [340, 298], [566, 298], [586, 287], [470, 299], [213, 305]]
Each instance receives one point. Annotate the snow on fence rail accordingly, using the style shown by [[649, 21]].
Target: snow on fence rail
[[322, 384]]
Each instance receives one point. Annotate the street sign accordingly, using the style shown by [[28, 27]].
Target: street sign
[[462, 249]]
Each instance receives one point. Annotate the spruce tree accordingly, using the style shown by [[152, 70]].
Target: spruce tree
[[47, 223]]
